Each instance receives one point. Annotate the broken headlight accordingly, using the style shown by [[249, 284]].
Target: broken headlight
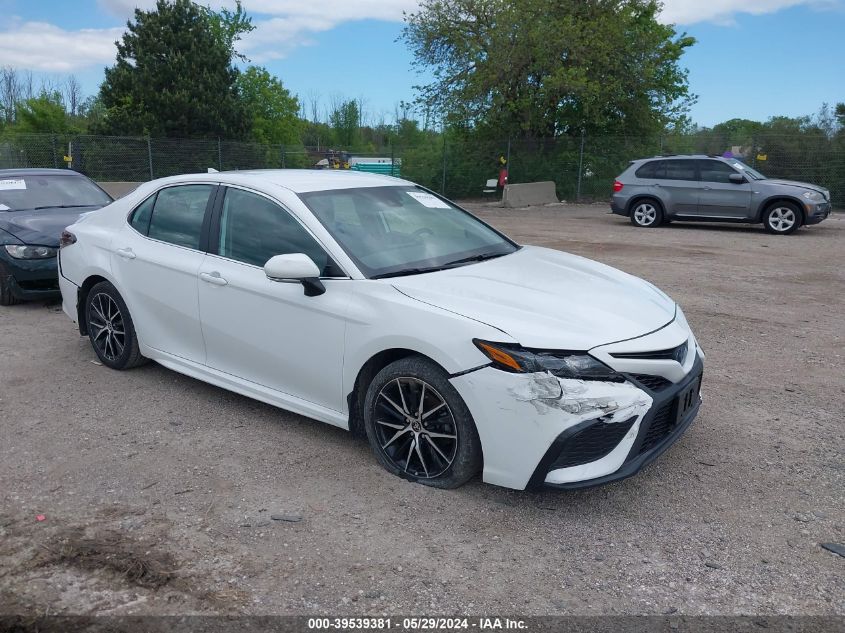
[[517, 359]]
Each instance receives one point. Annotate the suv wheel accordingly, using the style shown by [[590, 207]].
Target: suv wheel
[[782, 218], [646, 213]]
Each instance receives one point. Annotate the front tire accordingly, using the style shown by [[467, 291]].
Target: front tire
[[419, 426], [110, 328], [6, 296], [782, 218], [646, 214]]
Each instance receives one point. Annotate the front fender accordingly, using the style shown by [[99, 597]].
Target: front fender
[[764, 204], [381, 318]]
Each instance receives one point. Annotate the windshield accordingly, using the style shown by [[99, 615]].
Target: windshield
[[392, 231], [35, 192], [753, 173]]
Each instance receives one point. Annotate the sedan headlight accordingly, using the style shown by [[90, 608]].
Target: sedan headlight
[[517, 359], [25, 251], [813, 196]]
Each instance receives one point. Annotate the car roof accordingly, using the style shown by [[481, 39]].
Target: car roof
[[297, 180], [36, 171]]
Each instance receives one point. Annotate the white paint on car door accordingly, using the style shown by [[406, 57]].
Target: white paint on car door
[[270, 332], [157, 275]]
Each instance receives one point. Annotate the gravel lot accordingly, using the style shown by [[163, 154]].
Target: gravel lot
[[158, 490]]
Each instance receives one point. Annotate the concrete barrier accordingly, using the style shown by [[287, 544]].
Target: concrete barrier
[[528, 194], [118, 189]]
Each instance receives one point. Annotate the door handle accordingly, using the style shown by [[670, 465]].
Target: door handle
[[125, 253], [706, 188], [213, 278]]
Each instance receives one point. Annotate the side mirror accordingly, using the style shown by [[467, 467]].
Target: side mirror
[[737, 179], [296, 267]]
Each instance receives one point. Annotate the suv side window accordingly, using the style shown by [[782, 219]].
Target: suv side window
[[253, 229], [715, 171], [178, 214], [679, 170]]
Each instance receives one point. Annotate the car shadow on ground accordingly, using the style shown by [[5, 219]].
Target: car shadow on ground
[[755, 229]]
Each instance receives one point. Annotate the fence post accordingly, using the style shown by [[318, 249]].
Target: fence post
[[284, 157], [53, 146], [219, 154], [443, 178], [150, 157], [580, 167], [392, 160], [508, 161]]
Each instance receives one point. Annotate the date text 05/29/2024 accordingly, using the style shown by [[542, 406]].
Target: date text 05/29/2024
[[416, 624]]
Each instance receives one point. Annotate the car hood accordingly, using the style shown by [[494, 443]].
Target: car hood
[[802, 185], [44, 226], [547, 299]]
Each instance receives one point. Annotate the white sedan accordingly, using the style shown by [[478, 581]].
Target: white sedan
[[375, 305]]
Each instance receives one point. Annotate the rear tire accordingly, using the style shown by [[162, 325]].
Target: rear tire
[[418, 425], [110, 328], [646, 213], [782, 218]]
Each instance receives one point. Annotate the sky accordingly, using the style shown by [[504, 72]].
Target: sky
[[754, 59]]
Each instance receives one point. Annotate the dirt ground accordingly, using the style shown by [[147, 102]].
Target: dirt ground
[[157, 490]]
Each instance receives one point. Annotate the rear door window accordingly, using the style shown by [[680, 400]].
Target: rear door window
[[178, 215], [679, 170]]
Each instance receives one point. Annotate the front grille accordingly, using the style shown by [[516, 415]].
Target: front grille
[[678, 354], [592, 443], [655, 383], [661, 425]]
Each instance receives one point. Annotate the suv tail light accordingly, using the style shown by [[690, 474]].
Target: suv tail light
[[617, 186], [67, 239]]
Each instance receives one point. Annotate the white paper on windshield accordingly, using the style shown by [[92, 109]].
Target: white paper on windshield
[[12, 183], [17, 183], [428, 200], [3, 207]]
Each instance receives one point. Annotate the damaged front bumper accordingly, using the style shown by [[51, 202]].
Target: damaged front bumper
[[672, 411], [538, 430]]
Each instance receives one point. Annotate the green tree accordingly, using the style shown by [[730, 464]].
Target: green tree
[[345, 120], [44, 114], [174, 74], [544, 68], [272, 110]]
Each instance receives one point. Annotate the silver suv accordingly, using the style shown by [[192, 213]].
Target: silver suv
[[714, 189]]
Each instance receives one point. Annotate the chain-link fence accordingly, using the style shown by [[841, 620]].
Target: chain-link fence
[[583, 168]]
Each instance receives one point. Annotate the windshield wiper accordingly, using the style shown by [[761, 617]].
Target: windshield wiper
[[408, 271], [58, 206], [472, 259], [454, 264]]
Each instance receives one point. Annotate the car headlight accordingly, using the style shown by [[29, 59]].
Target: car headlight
[[25, 251], [813, 196], [517, 359]]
